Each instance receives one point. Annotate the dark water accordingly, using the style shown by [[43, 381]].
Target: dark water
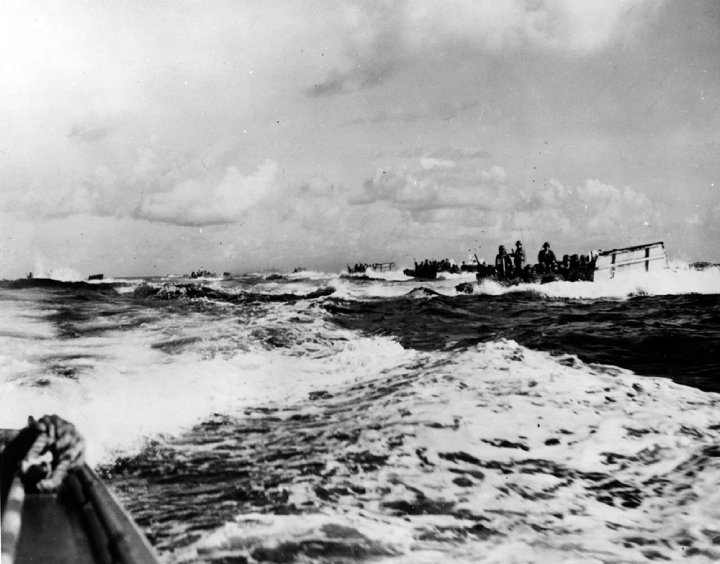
[[292, 419], [673, 336]]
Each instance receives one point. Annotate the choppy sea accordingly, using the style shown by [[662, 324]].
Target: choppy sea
[[314, 417]]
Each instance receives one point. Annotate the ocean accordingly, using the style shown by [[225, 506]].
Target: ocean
[[316, 417]]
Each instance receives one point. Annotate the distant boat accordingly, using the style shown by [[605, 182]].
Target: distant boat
[[362, 267], [700, 265], [429, 269], [202, 273], [96, 277]]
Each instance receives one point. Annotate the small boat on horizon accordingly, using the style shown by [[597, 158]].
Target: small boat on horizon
[[202, 273], [363, 267], [430, 269]]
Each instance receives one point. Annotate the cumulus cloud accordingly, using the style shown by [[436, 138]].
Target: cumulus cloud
[[429, 163], [204, 201], [495, 174], [602, 213], [400, 188], [488, 200], [432, 185], [150, 191]]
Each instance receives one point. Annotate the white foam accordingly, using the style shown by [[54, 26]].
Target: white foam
[[673, 281], [126, 390], [61, 273], [541, 434], [396, 275], [135, 384]]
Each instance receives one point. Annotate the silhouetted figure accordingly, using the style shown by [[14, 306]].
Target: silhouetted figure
[[503, 264], [518, 256], [546, 259]]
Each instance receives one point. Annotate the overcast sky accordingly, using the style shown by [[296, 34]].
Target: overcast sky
[[161, 137]]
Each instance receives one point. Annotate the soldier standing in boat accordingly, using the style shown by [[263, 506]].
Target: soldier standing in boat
[[503, 263], [518, 256], [546, 259]]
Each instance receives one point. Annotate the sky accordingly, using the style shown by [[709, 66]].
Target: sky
[[149, 138]]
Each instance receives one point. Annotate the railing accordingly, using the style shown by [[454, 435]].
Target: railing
[[382, 266]]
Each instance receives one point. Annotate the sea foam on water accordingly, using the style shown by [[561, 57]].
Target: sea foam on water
[[499, 454], [488, 453]]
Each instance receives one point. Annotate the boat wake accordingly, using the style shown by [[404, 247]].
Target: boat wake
[[319, 418], [421, 464]]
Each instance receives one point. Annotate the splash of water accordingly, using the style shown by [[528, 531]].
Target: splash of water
[[672, 281]]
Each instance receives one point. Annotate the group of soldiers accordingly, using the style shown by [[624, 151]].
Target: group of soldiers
[[512, 265], [431, 268], [202, 273]]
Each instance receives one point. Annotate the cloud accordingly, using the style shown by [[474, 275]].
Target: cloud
[[429, 163], [203, 201], [400, 188], [496, 174], [432, 185], [381, 39], [373, 45], [88, 133], [468, 198], [459, 154], [601, 213], [182, 195], [446, 153]]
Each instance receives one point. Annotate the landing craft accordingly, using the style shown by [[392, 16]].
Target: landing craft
[[80, 521], [362, 267], [429, 269], [601, 265]]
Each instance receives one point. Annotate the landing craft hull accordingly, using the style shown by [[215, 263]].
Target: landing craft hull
[[82, 523], [640, 258], [424, 274]]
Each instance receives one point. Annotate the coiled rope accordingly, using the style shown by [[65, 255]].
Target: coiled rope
[[56, 450]]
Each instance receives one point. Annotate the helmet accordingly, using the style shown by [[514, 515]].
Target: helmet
[[518, 244], [546, 245], [501, 248]]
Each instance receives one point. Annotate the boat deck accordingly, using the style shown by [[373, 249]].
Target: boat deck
[[82, 523]]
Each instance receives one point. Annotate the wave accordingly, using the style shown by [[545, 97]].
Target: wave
[[495, 453], [139, 371], [23, 283], [679, 279], [200, 291]]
